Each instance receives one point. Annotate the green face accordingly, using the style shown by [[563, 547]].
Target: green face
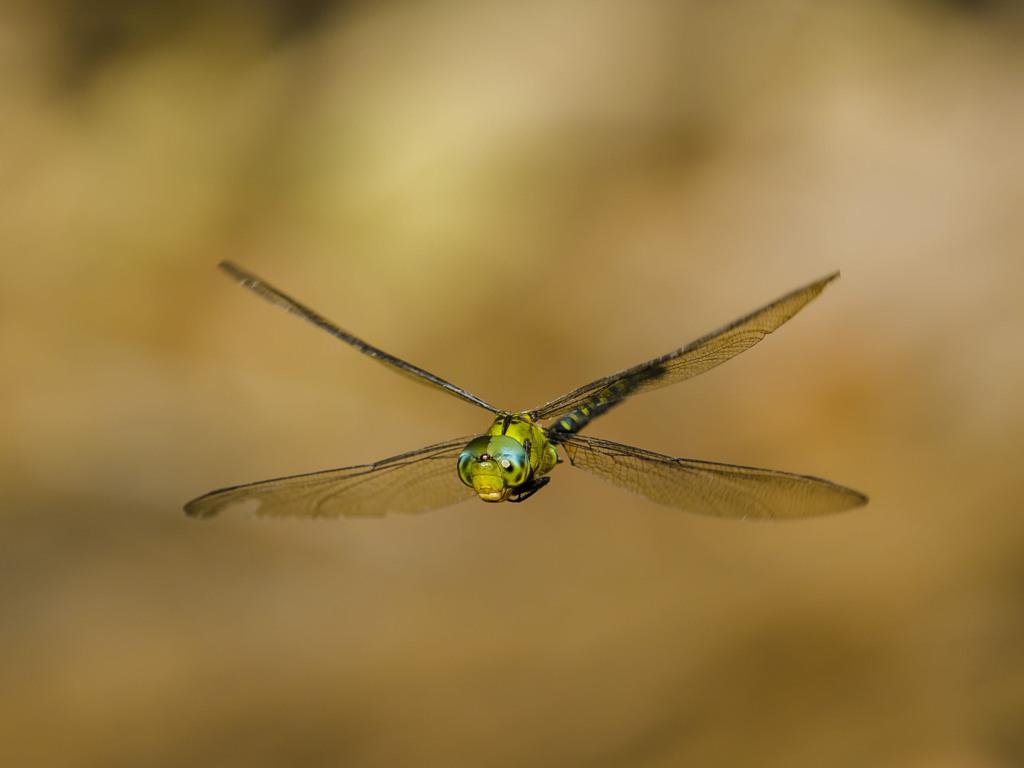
[[494, 466]]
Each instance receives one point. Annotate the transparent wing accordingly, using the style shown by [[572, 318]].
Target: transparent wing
[[693, 359], [413, 482], [721, 490], [276, 297]]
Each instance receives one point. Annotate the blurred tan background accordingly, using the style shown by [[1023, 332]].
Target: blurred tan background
[[519, 197]]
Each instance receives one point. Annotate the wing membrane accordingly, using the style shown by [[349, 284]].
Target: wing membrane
[[695, 358], [280, 299], [412, 482], [720, 490]]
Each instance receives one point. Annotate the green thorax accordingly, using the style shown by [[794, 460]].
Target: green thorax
[[510, 455]]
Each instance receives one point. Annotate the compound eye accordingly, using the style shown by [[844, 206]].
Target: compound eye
[[495, 456], [513, 463], [472, 453]]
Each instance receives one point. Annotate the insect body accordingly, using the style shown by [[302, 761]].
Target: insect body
[[512, 459], [508, 462]]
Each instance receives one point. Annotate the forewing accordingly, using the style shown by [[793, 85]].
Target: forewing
[[693, 359], [720, 490], [278, 298], [413, 482]]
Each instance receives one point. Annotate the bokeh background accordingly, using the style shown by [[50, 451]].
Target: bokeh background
[[520, 197]]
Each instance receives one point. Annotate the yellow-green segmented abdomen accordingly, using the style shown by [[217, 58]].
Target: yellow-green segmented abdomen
[[595, 405]]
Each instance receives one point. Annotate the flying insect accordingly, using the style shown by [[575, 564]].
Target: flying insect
[[512, 460]]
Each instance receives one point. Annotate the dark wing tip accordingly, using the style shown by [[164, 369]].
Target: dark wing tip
[[241, 275], [200, 511], [857, 499], [210, 504]]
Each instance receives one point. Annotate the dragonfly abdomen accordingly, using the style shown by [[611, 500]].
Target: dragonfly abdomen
[[576, 420], [605, 398]]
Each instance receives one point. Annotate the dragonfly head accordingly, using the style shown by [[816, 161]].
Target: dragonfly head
[[494, 466]]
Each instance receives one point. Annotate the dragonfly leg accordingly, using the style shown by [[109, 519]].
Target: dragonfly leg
[[527, 489]]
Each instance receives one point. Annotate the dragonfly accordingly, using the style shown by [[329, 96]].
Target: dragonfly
[[512, 460]]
